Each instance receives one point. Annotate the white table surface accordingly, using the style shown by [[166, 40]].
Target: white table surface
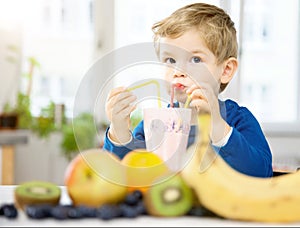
[[6, 196]]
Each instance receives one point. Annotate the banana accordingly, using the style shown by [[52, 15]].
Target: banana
[[233, 195]]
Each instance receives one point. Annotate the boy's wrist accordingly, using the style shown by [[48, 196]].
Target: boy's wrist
[[119, 136], [220, 131], [223, 141], [119, 143]]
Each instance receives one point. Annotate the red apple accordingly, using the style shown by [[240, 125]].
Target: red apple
[[95, 177]]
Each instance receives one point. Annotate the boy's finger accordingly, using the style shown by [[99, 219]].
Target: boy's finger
[[121, 98], [117, 106], [198, 94], [200, 105], [126, 111], [192, 88], [116, 91]]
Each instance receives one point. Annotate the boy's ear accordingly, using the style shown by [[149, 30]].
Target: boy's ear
[[229, 68]]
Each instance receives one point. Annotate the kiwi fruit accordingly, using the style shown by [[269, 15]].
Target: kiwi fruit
[[169, 197], [36, 192]]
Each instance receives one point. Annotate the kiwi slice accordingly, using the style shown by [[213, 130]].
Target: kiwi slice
[[36, 192], [170, 197]]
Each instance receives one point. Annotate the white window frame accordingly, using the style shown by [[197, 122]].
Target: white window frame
[[274, 129]]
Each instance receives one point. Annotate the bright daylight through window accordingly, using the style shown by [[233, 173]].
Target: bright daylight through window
[[60, 35], [268, 78]]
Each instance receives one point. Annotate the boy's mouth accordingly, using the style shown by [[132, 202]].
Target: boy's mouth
[[179, 86]]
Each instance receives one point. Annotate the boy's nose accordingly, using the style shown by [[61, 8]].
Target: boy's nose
[[178, 73]]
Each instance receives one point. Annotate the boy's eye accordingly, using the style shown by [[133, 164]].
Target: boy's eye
[[170, 60], [196, 60]]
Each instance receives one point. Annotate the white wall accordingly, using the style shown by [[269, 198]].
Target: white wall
[[40, 159], [286, 151]]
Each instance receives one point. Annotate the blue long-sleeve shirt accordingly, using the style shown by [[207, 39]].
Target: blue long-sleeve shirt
[[246, 150]]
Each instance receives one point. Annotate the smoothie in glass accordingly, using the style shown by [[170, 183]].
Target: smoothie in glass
[[166, 134]]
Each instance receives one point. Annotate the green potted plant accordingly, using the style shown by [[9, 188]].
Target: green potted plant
[[78, 134], [8, 115], [8, 118], [44, 124], [18, 116]]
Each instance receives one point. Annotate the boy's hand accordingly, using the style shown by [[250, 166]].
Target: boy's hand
[[205, 99], [118, 108]]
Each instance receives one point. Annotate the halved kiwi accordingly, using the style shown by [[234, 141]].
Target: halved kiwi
[[36, 192], [170, 197]]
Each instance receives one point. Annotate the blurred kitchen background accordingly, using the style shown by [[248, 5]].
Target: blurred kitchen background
[[47, 47]]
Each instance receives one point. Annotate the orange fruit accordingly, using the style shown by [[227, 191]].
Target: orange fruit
[[142, 168]]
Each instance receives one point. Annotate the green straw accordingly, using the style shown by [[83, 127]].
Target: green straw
[[147, 83], [188, 100]]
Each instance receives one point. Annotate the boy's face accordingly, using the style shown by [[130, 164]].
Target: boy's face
[[189, 61]]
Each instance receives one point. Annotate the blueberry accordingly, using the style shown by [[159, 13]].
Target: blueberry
[[140, 207], [75, 213], [1, 210], [109, 211], [60, 212], [138, 194], [129, 211], [10, 211], [87, 212], [200, 211], [131, 199], [38, 211]]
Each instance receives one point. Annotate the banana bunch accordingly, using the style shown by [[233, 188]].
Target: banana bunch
[[233, 195]]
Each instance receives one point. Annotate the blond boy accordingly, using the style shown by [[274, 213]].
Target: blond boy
[[199, 43]]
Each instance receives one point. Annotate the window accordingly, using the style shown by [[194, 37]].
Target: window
[[267, 81], [133, 19], [59, 36], [269, 62]]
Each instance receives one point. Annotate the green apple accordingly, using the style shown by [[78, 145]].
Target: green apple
[[95, 177]]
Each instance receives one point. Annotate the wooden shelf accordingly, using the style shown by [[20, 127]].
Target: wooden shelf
[[13, 137], [8, 140]]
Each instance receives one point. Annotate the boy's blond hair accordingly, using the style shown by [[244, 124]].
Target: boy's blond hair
[[214, 25]]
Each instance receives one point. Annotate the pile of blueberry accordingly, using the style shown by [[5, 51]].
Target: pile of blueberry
[[131, 207], [8, 210]]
